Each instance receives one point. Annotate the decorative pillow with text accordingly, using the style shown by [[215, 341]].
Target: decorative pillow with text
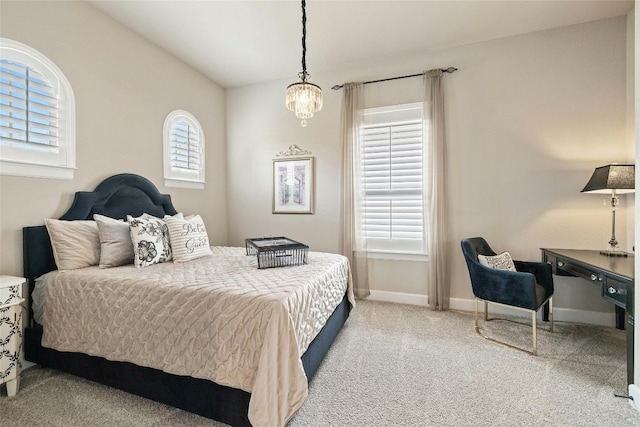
[[189, 239]]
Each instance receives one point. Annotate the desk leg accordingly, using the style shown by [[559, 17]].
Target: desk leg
[[545, 312], [619, 318], [630, 349]]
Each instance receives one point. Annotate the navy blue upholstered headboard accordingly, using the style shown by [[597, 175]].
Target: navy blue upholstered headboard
[[115, 197]]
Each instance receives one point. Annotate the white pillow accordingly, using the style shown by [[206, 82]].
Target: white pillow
[[501, 261], [116, 247], [75, 244], [150, 240], [189, 239]]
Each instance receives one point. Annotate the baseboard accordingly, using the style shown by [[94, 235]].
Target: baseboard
[[399, 297], [634, 396], [559, 314], [26, 364]]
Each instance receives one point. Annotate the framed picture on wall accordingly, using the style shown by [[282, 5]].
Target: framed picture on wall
[[293, 186]]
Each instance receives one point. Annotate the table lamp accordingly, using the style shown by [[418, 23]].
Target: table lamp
[[612, 179]]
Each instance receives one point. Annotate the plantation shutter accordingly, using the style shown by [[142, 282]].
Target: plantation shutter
[[183, 151], [29, 108], [185, 146], [392, 171]]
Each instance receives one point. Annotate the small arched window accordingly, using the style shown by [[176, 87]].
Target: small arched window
[[37, 115], [183, 151]]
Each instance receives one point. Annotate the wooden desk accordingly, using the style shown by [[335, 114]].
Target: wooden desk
[[615, 275]]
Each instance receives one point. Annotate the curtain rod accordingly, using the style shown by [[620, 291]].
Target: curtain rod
[[444, 70]]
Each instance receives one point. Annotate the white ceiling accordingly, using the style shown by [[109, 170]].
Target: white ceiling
[[239, 42]]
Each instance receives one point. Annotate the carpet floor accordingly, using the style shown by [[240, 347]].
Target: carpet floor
[[395, 365]]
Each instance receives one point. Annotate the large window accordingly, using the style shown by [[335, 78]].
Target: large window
[[37, 115], [183, 151], [392, 175]]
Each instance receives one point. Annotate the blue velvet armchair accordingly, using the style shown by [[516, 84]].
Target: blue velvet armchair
[[528, 288]]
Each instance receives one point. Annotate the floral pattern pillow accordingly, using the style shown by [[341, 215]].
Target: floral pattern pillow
[[150, 238]]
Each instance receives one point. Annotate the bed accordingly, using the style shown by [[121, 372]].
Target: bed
[[205, 392]]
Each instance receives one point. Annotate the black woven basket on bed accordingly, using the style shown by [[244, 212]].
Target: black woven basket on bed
[[277, 251]]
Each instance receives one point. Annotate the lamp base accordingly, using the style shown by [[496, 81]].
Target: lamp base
[[614, 253]]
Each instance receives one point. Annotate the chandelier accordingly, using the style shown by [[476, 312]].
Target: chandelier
[[304, 98]]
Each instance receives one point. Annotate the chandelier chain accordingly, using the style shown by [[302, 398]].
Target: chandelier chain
[[304, 42]]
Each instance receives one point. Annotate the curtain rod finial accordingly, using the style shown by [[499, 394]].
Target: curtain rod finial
[[336, 87]]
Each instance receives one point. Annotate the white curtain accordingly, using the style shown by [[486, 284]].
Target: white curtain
[[436, 200], [352, 105]]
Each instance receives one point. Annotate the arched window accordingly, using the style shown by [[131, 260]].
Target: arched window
[[37, 115], [183, 151]]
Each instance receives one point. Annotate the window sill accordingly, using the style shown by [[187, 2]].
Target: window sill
[[396, 256], [35, 171], [179, 183]]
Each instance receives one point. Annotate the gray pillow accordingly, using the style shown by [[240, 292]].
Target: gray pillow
[[116, 247]]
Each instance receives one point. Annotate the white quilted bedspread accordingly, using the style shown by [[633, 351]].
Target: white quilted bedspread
[[218, 318]]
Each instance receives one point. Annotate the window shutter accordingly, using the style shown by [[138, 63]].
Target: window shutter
[[29, 108], [37, 115], [392, 175], [185, 147], [183, 152]]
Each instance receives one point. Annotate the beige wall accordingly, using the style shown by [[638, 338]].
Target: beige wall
[[528, 119], [124, 88]]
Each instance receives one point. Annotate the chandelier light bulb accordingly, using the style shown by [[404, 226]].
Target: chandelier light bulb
[[304, 98]]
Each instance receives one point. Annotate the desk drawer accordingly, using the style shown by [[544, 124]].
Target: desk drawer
[[577, 270], [615, 291]]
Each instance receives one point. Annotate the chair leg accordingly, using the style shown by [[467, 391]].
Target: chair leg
[[535, 332], [534, 325], [476, 315], [551, 314]]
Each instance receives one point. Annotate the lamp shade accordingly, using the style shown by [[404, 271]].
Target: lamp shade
[[612, 177]]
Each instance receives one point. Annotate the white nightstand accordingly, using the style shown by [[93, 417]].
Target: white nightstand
[[10, 331]]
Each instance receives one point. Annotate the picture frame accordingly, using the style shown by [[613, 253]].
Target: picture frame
[[293, 185]]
